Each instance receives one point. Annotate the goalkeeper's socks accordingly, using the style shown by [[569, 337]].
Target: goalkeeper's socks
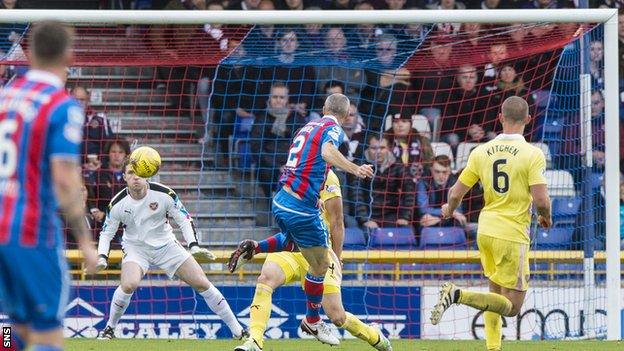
[[313, 287], [493, 330], [39, 347], [485, 301], [217, 303], [276, 243], [120, 303], [360, 330], [260, 312]]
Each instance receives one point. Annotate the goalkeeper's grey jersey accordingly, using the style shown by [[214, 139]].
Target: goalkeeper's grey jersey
[[146, 221]]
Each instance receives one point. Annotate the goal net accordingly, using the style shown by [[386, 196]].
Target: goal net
[[221, 104]]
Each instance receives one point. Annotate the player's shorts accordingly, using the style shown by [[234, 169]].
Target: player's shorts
[[300, 223], [295, 267], [34, 286], [168, 257], [505, 262]]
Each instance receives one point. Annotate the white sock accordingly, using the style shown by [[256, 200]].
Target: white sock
[[119, 304], [218, 304]]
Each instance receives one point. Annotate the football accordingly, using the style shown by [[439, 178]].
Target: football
[[145, 161]]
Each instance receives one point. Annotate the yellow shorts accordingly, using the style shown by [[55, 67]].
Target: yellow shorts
[[505, 262], [295, 267]]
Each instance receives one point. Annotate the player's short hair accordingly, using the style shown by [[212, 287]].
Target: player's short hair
[[442, 160], [337, 105], [126, 163], [515, 109], [49, 42]]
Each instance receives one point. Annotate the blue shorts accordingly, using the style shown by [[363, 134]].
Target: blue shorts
[[301, 223], [34, 286]]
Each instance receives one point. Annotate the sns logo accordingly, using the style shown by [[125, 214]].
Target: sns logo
[[6, 337]]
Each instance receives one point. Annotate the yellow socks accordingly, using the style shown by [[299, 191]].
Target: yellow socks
[[493, 331], [259, 312], [486, 301], [360, 330]]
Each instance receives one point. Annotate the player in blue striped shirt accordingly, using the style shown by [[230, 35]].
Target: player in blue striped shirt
[[40, 136]]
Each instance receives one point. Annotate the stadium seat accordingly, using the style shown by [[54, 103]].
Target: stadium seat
[[546, 152], [560, 183], [239, 145], [463, 150], [354, 239], [554, 238], [564, 210], [402, 238], [421, 124], [380, 271], [440, 148], [437, 237]]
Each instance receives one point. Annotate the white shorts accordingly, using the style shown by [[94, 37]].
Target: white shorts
[[168, 257]]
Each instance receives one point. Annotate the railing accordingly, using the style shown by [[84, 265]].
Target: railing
[[551, 258]]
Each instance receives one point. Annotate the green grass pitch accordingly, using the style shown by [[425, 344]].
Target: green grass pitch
[[350, 345]]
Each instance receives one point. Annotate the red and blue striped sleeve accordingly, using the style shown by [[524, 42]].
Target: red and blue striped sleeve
[[66, 126]]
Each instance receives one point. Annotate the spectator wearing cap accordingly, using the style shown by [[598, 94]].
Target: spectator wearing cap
[[432, 193], [463, 118], [391, 189]]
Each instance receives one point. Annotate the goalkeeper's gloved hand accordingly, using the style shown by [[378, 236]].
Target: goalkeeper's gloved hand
[[101, 263], [201, 254]]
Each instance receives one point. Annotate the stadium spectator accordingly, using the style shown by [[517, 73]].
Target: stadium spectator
[[271, 135], [300, 79], [391, 190], [497, 54], [11, 32], [510, 83], [447, 28], [470, 43], [432, 193], [410, 36], [260, 41], [104, 183], [353, 149], [293, 5], [543, 4], [391, 88], [330, 87], [395, 4], [465, 114], [385, 51], [7, 72], [487, 4], [596, 65], [433, 77], [245, 5], [97, 127], [518, 34], [406, 144], [362, 37], [340, 5], [312, 37]]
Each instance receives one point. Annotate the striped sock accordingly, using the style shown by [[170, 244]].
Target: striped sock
[[313, 287], [276, 243]]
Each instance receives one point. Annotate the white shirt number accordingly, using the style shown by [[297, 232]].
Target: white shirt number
[[8, 149], [292, 154]]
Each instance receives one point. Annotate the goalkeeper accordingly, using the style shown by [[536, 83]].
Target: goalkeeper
[[286, 267], [148, 240], [512, 174]]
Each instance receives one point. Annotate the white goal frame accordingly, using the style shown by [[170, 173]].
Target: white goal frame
[[609, 17]]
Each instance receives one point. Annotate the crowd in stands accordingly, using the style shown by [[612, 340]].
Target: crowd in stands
[[402, 116]]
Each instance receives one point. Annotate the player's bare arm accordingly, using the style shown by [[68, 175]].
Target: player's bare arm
[[332, 155], [455, 196], [541, 200], [68, 189], [333, 208]]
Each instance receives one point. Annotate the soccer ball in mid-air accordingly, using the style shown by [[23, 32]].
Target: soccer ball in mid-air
[[145, 161]]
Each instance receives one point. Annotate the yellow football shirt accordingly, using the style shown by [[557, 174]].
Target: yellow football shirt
[[330, 190], [506, 167]]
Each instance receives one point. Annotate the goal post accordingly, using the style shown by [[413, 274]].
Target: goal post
[[607, 17]]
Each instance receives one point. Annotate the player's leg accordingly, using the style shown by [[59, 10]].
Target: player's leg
[[248, 248], [318, 259], [131, 275], [275, 272], [191, 273], [493, 324]]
